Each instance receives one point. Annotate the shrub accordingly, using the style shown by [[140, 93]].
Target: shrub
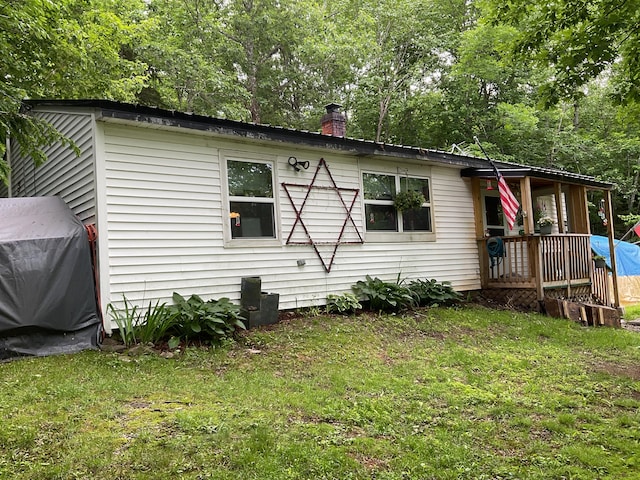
[[385, 296], [433, 293], [345, 303], [213, 320]]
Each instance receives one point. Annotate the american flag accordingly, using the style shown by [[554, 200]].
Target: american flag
[[510, 204]]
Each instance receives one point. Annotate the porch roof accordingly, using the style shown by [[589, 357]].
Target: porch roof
[[108, 110], [515, 170]]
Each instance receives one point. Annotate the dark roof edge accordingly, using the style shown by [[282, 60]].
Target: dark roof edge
[[255, 131], [511, 170]]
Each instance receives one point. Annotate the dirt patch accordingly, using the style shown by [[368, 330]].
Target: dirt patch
[[630, 371], [370, 463]]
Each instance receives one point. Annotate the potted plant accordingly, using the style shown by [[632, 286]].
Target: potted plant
[[409, 200], [599, 261], [545, 223]]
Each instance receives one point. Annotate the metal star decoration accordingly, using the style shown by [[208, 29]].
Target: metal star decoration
[[329, 208]]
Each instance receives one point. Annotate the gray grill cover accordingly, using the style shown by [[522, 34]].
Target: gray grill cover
[[47, 295]]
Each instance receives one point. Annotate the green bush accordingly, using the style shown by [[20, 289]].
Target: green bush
[[213, 320], [433, 293], [385, 296], [345, 303]]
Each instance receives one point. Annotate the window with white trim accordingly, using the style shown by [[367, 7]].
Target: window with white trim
[[379, 192], [251, 199]]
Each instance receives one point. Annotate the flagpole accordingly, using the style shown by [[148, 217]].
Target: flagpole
[[509, 202], [475, 139], [625, 235]]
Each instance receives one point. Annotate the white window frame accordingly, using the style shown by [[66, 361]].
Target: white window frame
[[249, 157], [398, 236]]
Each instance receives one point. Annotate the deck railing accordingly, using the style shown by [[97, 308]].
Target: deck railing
[[543, 262], [512, 266], [565, 258]]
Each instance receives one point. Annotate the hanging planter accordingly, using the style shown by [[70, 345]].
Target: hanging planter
[[408, 200]]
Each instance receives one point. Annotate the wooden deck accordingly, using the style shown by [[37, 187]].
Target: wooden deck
[[544, 263]]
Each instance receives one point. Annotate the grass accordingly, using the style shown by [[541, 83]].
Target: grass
[[632, 312], [464, 393]]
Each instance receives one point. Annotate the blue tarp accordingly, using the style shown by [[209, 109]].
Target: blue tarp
[[627, 255]]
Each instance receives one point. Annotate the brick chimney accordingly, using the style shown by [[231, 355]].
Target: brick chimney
[[333, 122]]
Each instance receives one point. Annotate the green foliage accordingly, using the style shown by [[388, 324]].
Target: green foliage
[[137, 325], [213, 320], [434, 293], [411, 72], [395, 296], [126, 320], [408, 200], [385, 296], [577, 40], [188, 319], [632, 312], [345, 303]]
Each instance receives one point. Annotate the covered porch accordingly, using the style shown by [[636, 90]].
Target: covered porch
[[524, 266]]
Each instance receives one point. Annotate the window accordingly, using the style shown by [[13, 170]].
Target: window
[[381, 215], [251, 201]]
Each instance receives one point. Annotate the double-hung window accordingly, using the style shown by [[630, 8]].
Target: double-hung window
[[380, 190], [251, 199]]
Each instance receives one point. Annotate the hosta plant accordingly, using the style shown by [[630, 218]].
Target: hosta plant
[[385, 296], [433, 293], [212, 320], [345, 303]]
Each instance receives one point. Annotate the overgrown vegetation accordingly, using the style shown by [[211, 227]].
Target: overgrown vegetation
[[187, 319], [440, 394]]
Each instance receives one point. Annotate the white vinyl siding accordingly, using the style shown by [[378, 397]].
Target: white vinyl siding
[[166, 215], [64, 174]]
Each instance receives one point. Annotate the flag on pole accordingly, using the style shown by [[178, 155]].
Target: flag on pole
[[508, 200], [510, 204]]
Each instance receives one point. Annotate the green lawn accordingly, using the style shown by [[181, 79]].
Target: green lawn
[[464, 393]]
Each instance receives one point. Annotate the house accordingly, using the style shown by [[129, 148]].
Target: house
[[194, 204]]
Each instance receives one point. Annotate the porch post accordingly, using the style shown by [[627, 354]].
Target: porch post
[[614, 271], [579, 209], [559, 210], [527, 205], [477, 207], [480, 240]]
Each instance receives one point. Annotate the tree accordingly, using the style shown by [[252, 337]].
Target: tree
[[67, 48], [26, 35], [579, 40], [400, 46]]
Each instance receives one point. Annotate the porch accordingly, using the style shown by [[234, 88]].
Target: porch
[[529, 268], [522, 267]]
